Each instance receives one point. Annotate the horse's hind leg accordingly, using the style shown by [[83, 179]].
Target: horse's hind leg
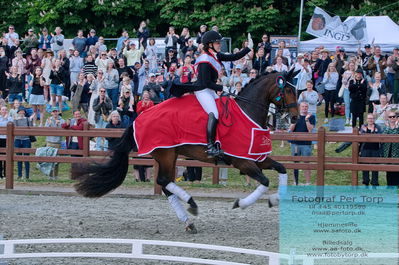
[[167, 164], [251, 169], [181, 213]]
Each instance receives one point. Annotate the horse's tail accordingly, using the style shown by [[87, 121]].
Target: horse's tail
[[96, 180]]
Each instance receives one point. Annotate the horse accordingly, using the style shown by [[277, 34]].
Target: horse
[[97, 179]]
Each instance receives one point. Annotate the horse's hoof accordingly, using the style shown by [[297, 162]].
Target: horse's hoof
[[274, 200], [191, 229], [236, 204], [193, 211]]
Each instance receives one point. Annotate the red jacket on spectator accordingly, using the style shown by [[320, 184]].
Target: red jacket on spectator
[[78, 126], [142, 106]]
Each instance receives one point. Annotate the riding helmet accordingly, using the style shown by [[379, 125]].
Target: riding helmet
[[210, 37]]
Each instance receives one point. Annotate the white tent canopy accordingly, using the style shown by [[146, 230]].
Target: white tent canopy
[[382, 29]]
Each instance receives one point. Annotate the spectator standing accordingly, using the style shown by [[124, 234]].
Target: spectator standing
[[92, 39], [143, 73], [98, 83], [151, 54], [57, 76], [111, 78], [154, 89], [237, 76], [376, 88], [3, 70], [57, 41], [183, 40], [121, 41], [47, 65], [143, 33], [65, 63], [76, 123], [170, 78], [310, 96], [305, 123], [89, 66], [381, 111], [32, 61], [132, 54], [370, 149], [280, 66], [54, 121], [267, 47], [125, 107], [186, 72], [321, 68], [201, 33], [377, 63], [102, 61], [100, 45], [22, 141], [395, 68], [20, 63], [358, 94], [279, 53], [31, 41], [347, 76], [75, 66], [170, 59], [122, 68], [12, 41], [114, 122], [14, 85], [4, 119], [330, 81], [102, 107], [79, 44], [36, 99], [391, 149], [171, 40], [304, 76], [79, 94], [45, 40]]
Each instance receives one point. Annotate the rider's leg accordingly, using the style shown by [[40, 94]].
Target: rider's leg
[[206, 98]]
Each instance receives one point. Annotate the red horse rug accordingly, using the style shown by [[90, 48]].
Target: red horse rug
[[182, 121]]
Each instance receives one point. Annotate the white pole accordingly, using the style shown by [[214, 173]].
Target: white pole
[[300, 24]]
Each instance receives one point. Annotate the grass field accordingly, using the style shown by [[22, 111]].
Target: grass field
[[235, 181]]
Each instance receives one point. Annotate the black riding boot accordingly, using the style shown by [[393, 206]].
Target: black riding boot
[[213, 150]]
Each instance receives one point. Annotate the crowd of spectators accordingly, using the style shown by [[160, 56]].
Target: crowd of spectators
[[112, 85]]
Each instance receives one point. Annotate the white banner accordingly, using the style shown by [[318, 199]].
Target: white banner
[[324, 26]]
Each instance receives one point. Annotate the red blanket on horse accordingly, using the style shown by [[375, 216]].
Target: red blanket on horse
[[180, 121]]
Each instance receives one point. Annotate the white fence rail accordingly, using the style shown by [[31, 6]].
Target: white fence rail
[[136, 250]]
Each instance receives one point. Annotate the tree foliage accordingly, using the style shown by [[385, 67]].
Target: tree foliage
[[234, 18]]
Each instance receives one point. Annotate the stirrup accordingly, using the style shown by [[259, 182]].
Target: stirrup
[[214, 152]]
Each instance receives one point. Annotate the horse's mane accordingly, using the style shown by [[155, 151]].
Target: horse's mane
[[254, 81]]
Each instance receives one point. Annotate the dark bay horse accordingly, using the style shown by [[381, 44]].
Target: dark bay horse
[[96, 180]]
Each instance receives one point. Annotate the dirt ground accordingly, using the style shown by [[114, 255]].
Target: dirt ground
[[43, 216]]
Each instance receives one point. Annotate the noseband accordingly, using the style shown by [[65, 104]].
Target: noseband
[[281, 83]]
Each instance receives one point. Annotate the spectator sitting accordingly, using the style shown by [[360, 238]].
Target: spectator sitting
[[370, 149], [23, 141], [252, 75], [237, 76], [125, 107], [54, 121], [122, 68], [154, 88], [102, 61], [126, 84], [114, 122], [102, 106], [145, 103], [100, 46], [381, 111], [169, 59], [284, 59], [14, 109], [89, 66], [186, 72], [305, 123]]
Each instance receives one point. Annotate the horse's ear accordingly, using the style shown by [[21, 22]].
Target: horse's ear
[[290, 75]]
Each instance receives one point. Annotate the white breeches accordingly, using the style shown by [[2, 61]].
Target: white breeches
[[206, 98]]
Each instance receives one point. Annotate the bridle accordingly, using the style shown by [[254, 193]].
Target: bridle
[[281, 83]]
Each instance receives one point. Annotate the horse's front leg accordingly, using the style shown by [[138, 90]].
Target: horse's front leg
[[252, 170], [269, 163]]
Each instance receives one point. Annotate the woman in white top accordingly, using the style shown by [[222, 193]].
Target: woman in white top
[[279, 66], [151, 54], [94, 88], [381, 111], [47, 65], [310, 96], [376, 89], [348, 75], [330, 81]]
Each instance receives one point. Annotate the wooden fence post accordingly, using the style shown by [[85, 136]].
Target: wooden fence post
[[10, 156], [321, 155], [86, 140], [355, 158], [215, 176]]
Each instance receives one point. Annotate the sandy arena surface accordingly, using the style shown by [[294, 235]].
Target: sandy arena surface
[[43, 216]]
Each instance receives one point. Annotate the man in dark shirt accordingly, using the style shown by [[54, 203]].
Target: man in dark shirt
[[306, 122]]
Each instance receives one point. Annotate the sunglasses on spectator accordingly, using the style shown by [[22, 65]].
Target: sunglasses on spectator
[[252, 72], [104, 54], [10, 28], [127, 92], [391, 117], [102, 91]]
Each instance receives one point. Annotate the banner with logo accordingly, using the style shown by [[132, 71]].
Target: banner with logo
[[332, 28]]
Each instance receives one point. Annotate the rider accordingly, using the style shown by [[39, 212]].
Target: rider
[[208, 66]]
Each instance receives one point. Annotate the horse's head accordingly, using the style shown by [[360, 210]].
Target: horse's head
[[283, 94]]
